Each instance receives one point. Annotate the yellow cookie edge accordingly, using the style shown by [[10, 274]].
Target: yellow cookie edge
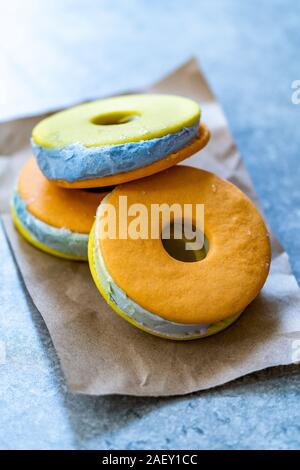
[[37, 244], [170, 160], [222, 325]]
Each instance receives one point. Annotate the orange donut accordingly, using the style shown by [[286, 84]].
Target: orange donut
[[173, 298], [53, 219]]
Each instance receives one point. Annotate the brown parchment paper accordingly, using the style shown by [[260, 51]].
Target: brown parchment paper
[[100, 352]]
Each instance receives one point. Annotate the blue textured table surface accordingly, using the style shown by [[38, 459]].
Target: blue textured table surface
[[59, 52]]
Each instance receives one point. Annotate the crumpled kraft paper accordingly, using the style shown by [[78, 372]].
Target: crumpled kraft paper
[[100, 352]]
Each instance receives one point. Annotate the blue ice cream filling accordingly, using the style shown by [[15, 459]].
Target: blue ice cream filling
[[59, 239], [76, 162]]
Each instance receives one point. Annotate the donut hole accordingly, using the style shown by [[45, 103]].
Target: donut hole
[[114, 118], [176, 243]]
